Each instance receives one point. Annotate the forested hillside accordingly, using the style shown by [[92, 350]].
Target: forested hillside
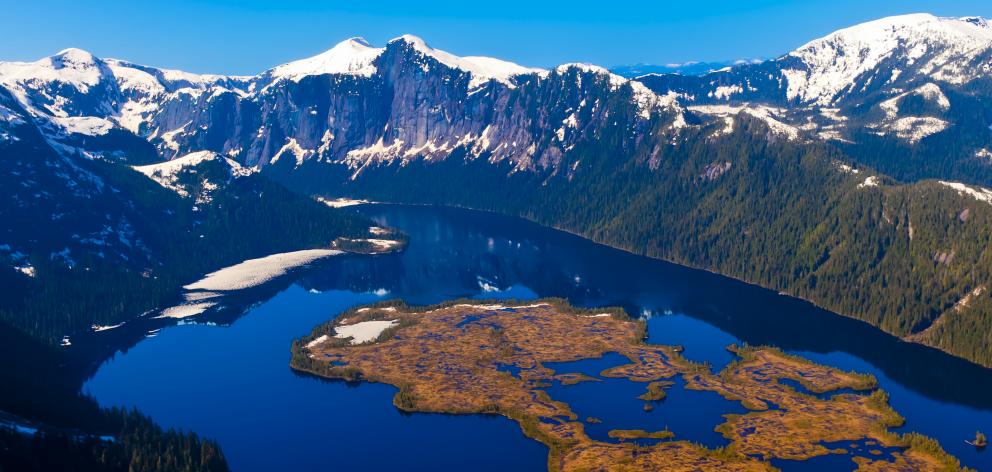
[[790, 216], [94, 242]]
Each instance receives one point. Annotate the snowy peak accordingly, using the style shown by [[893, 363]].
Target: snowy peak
[[886, 32], [73, 67], [73, 58], [352, 56], [943, 48], [483, 69]]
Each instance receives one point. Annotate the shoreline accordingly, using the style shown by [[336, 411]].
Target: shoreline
[[426, 389], [684, 265]]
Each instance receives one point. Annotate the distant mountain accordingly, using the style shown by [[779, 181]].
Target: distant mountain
[[914, 85], [686, 68], [849, 172]]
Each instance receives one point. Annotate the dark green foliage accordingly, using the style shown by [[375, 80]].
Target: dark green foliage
[[250, 217], [783, 216], [113, 281], [137, 445]]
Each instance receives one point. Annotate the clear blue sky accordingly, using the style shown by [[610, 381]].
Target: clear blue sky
[[248, 36]]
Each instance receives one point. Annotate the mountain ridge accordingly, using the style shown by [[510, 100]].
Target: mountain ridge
[[753, 159]]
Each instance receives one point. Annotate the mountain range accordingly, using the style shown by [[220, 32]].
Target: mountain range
[[634, 71], [851, 172]]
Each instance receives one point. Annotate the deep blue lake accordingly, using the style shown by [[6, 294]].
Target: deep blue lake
[[227, 376]]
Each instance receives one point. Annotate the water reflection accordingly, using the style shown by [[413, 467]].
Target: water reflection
[[457, 253]]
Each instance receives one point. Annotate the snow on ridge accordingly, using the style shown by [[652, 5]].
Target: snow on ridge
[[166, 173], [483, 69], [929, 91], [644, 98], [87, 125], [724, 92], [837, 60], [294, 148], [770, 115], [586, 67], [915, 128], [70, 66], [317, 341], [981, 194]]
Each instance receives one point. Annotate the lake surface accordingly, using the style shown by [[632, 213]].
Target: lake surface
[[227, 376]]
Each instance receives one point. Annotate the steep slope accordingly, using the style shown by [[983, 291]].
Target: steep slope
[[362, 106], [99, 107], [86, 241], [761, 171], [781, 214], [907, 94]]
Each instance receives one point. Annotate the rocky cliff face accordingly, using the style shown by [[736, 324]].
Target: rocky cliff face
[[915, 82], [413, 106]]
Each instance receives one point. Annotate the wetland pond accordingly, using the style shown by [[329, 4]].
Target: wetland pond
[[226, 376]]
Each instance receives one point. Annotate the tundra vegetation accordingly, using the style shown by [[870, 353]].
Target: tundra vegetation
[[450, 358]]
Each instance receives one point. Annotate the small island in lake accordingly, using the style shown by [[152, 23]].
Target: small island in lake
[[470, 357]]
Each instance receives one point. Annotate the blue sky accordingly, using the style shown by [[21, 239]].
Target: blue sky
[[248, 36]]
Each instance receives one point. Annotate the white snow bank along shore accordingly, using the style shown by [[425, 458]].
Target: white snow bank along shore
[[186, 310], [341, 202], [204, 293], [254, 272], [362, 332], [317, 341]]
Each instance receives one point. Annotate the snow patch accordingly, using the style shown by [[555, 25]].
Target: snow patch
[[836, 61], [724, 92], [870, 181], [166, 173], [99, 328], [364, 331], [317, 341], [771, 116], [87, 125]]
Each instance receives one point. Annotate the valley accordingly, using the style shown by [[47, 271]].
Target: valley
[[832, 204], [865, 198], [455, 254]]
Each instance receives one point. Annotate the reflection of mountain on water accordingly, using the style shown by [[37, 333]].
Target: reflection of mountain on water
[[458, 253], [451, 250]]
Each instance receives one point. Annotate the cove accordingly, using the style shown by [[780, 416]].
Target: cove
[[229, 379]]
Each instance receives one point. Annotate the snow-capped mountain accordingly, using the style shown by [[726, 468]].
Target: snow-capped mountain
[[905, 77], [874, 55], [353, 104], [686, 68], [751, 170], [908, 79]]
